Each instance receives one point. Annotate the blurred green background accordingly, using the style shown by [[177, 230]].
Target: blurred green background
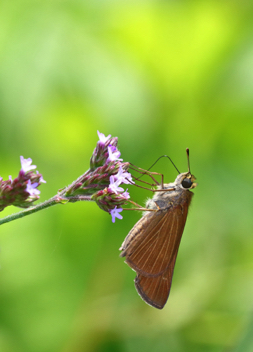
[[162, 76]]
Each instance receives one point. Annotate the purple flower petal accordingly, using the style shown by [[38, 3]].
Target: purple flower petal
[[114, 185], [115, 213], [41, 178], [123, 176], [102, 138], [31, 188], [126, 194], [26, 164], [114, 154], [113, 148]]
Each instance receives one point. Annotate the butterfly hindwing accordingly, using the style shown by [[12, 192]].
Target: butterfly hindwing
[[155, 290]]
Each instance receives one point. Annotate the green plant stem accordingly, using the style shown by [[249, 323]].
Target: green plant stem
[[34, 209], [48, 203], [66, 189]]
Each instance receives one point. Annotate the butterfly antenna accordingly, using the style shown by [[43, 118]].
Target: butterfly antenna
[[171, 162], [162, 156], [188, 159]]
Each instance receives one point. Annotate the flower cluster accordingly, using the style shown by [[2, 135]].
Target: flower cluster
[[102, 181], [112, 197], [105, 151], [23, 190]]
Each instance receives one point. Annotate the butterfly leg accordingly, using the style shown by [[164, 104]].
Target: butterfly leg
[[158, 208], [149, 189], [139, 207], [149, 173], [164, 190]]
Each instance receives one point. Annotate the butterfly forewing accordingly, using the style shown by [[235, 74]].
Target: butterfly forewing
[[145, 224], [151, 249]]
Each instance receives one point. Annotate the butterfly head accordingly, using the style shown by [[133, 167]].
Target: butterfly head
[[185, 181]]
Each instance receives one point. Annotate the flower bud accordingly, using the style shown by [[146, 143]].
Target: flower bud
[[108, 200], [100, 153]]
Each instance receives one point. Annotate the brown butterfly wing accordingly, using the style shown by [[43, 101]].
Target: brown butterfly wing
[[151, 245], [155, 290]]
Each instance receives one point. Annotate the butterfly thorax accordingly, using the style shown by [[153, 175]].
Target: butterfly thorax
[[174, 193]]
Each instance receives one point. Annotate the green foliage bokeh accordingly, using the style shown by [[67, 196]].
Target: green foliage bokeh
[[161, 76]]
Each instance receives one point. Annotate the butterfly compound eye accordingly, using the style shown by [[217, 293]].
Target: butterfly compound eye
[[186, 183]]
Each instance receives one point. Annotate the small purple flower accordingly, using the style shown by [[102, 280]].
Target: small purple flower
[[126, 194], [115, 213], [123, 176], [26, 164], [114, 185], [31, 188], [41, 180], [102, 138], [114, 153]]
